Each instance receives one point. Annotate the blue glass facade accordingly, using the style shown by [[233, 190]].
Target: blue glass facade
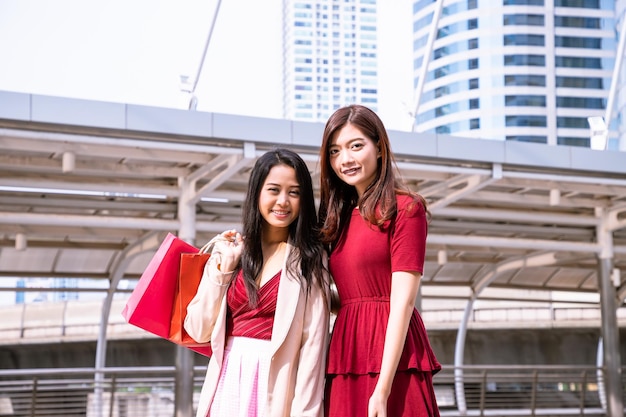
[[527, 70]]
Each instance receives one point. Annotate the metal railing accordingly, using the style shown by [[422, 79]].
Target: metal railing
[[80, 320], [149, 391]]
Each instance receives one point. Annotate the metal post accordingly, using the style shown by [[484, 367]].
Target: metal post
[[193, 101], [615, 79], [428, 50], [33, 401], [610, 329], [183, 402], [459, 356], [610, 337]]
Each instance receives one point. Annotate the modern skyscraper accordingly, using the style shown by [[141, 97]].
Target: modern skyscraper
[[525, 70], [330, 57]]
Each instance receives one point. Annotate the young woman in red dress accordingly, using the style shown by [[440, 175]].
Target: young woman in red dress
[[263, 301], [380, 361]]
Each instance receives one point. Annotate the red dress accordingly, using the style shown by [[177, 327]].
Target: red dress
[[257, 323], [361, 265]]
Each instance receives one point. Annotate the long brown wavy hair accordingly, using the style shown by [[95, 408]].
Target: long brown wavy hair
[[337, 199]]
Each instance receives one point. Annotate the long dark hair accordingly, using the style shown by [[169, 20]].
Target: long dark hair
[[307, 249], [337, 199]]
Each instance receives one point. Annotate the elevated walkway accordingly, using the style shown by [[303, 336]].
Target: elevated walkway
[[79, 321]]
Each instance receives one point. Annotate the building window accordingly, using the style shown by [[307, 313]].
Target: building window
[[580, 82], [585, 4], [525, 60], [474, 103], [474, 124], [530, 121], [473, 83], [573, 141], [442, 129], [580, 102], [525, 80], [528, 138], [442, 91], [578, 62], [524, 40], [522, 2], [442, 111], [572, 122], [523, 20], [577, 22], [578, 42], [525, 101]]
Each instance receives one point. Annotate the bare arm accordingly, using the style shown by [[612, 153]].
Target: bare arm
[[404, 287]]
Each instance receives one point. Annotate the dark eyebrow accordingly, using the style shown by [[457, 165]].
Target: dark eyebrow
[[278, 185], [350, 141]]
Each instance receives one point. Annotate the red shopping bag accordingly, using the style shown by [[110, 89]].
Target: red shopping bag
[[150, 304], [191, 269]]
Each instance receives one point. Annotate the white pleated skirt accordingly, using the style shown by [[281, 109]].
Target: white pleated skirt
[[242, 388]]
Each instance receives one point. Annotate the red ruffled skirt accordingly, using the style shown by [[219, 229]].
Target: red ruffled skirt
[[411, 395]]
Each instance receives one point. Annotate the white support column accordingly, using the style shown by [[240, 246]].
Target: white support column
[[183, 401], [148, 242], [610, 330], [534, 259], [459, 357]]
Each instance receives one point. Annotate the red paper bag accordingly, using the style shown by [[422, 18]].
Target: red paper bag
[[151, 303], [191, 269]]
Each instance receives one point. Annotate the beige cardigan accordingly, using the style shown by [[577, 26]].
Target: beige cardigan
[[299, 343]]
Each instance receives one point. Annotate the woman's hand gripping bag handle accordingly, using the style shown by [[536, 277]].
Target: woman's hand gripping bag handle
[[217, 274], [191, 269]]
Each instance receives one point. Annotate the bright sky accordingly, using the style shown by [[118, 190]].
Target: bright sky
[[134, 51]]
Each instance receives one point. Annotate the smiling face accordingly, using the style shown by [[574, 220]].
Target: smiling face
[[279, 199], [354, 157]]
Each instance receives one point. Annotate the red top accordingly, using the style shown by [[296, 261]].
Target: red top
[[361, 265], [244, 321]]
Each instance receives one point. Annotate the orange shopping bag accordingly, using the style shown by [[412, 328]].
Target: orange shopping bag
[[191, 269]]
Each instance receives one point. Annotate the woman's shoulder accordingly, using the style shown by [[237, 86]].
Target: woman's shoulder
[[411, 204]]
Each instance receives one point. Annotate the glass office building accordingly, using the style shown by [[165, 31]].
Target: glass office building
[[524, 70], [330, 57]]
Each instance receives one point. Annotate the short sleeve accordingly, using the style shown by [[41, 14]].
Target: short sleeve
[[408, 236]]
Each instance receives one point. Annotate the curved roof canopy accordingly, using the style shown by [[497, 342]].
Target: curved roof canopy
[[82, 180]]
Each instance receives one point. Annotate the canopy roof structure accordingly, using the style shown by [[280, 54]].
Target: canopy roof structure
[[82, 181], [89, 189]]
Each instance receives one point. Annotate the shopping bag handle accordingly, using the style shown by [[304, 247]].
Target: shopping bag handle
[[208, 247]]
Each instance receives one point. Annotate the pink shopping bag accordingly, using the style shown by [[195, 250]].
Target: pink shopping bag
[[151, 304]]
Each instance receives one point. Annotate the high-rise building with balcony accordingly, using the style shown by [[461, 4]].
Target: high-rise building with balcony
[[330, 57], [525, 70]]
